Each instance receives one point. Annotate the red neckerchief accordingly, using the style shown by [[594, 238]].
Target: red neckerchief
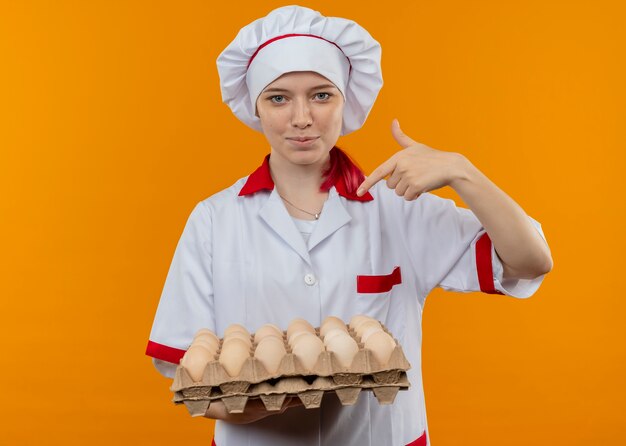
[[261, 179]]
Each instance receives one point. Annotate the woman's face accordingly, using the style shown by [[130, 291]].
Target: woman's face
[[301, 115]]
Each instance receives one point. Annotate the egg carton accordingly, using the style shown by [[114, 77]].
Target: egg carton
[[309, 392], [253, 371], [327, 365], [293, 379]]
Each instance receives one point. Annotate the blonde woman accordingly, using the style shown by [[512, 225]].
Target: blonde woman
[[306, 235]]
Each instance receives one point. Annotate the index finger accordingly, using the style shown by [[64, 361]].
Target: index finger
[[377, 174]]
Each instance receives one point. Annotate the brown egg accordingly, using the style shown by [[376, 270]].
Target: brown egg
[[308, 349], [359, 319], [294, 336], [332, 322], [258, 339], [270, 353], [200, 345], [381, 345], [195, 360], [344, 348], [368, 331], [233, 355], [234, 340], [235, 327], [302, 334], [239, 335], [206, 332], [208, 343], [334, 333], [274, 339], [208, 337], [267, 330], [299, 325], [366, 325]]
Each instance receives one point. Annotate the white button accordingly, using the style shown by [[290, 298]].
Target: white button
[[309, 279]]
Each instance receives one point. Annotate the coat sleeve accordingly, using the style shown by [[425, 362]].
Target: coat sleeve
[[186, 303], [452, 250]]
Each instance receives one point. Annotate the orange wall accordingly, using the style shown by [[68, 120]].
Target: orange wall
[[112, 129]]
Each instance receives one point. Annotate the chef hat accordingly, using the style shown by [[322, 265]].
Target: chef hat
[[294, 38]]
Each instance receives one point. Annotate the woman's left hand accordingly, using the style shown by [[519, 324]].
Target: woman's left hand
[[415, 169]]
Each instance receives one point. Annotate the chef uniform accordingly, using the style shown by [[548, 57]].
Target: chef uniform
[[243, 259]]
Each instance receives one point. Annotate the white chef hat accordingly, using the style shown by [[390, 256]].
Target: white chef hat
[[294, 38]]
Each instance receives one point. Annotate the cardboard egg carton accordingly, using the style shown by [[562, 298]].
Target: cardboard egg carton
[[293, 379]]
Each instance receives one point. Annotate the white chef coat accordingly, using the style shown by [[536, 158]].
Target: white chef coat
[[241, 259]]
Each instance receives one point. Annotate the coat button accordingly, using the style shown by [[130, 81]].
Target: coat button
[[309, 279]]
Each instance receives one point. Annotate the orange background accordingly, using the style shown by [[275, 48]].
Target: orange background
[[112, 129]]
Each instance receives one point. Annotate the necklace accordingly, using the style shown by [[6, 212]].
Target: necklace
[[317, 215]]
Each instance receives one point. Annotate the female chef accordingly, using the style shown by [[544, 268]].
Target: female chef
[[307, 235]]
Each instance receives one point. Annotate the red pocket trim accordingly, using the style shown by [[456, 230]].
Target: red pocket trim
[[378, 284]]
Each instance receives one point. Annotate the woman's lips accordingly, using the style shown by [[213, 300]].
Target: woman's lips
[[303, 141]]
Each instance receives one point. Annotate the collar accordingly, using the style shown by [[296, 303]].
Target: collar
[[261, 179]]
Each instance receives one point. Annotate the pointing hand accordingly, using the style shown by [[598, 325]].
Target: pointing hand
[[415, 169]]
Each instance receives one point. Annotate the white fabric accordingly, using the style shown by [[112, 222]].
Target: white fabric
[[243, 260], [298, 53], [305, 227], [356, 45]]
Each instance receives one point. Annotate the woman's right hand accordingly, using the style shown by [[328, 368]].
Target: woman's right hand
[[255, 410]]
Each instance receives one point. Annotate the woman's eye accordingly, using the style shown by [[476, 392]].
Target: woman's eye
[[277, 99], [322, 96]]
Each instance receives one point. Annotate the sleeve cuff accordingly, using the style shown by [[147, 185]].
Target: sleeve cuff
[[520, 288], [487, 264], [164, 352], [165, 368]]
